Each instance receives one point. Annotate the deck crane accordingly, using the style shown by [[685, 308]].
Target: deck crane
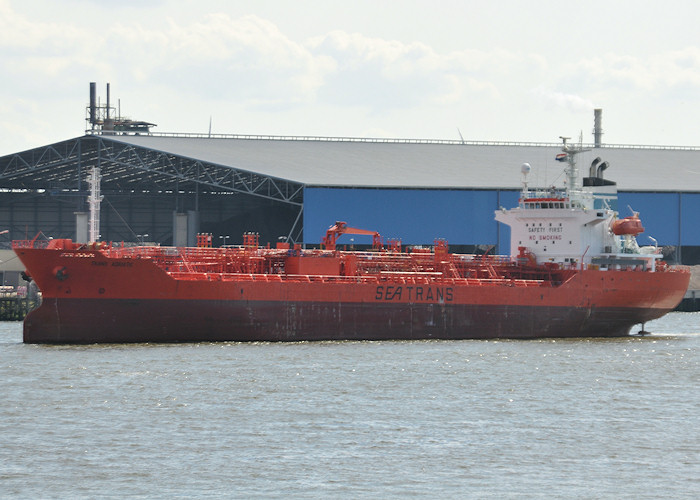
[[339, 228]]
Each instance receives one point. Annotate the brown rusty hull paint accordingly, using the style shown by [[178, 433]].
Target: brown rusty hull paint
[[85, 321]]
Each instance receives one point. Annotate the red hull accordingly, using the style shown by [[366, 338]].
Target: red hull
[[85, 321], [91, 297]]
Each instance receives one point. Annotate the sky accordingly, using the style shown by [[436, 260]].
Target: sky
[[516, 71]]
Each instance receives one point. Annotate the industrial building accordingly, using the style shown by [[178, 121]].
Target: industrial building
[[166, 188]]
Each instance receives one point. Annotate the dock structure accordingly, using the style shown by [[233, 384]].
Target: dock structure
[[690, 302], [14, 307]]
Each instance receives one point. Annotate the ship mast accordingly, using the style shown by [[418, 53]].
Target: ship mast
[[572, 170], [94, 201]]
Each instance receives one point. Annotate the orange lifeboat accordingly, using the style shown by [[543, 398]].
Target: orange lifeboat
[[629, 225]]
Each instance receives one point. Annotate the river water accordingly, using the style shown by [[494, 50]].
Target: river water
[[582, 418]]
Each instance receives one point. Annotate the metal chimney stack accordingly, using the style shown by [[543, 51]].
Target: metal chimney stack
[[597, 127], [93, 105], [109, 122]]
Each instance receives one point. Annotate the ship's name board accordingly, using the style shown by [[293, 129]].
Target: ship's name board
[[115, 263], [414, 293], [78, 255]]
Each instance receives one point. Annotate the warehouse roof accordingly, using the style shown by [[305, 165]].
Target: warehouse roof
[[426, 164]]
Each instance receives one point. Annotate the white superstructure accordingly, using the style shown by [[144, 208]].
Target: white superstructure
[[575, 225]]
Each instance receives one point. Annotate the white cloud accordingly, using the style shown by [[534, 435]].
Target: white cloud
[[560, 99], [387, 74], [679, 67], [260, 73], [614, 72]]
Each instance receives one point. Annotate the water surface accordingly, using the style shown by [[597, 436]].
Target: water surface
[[580, 418]]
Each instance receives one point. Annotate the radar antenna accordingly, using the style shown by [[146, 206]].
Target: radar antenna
[[525, 170]]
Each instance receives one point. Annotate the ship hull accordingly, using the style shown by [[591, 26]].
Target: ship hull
[[80, 321], [91, 297]]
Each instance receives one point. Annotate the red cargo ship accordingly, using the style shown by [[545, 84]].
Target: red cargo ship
[[574, 271]]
